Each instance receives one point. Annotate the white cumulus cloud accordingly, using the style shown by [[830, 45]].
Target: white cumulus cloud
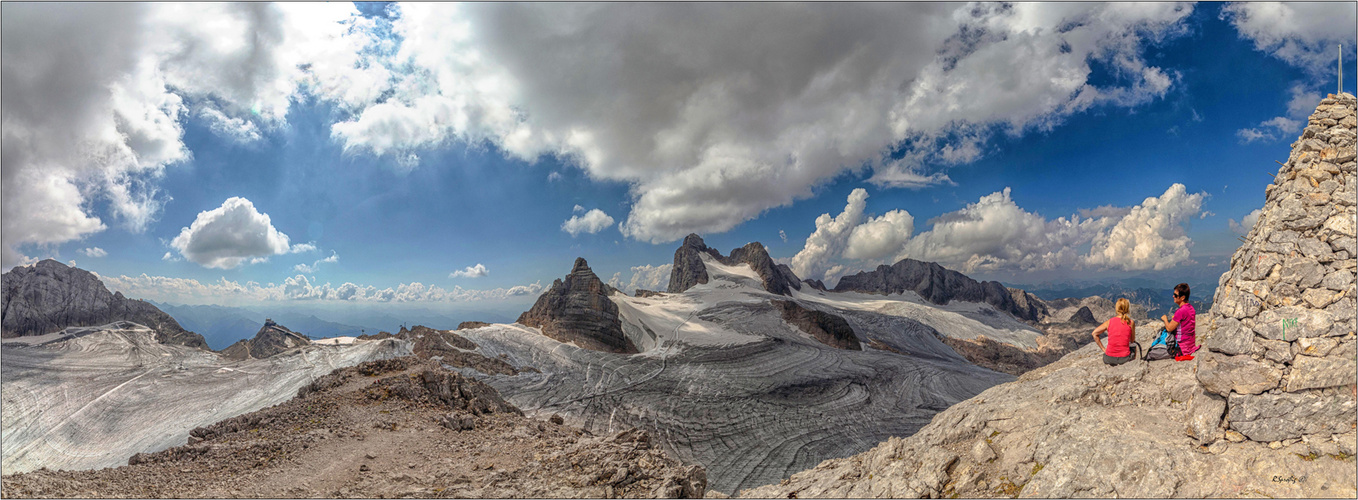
[[1303, 34], [1246, 223], [230, 235], [476, 271], [880, 236], [647, 277], [93, 252], [1151, 236], [830, 238], [311, 269], [995, 233], [591, 222]]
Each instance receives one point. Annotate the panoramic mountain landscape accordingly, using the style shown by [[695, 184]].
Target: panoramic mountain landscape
[[367, 250]]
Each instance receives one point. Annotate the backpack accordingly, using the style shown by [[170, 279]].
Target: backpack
[[1166, 346]]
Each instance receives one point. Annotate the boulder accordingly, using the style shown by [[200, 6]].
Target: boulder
[[1310, 372], [1205, 414], [1221, 375], [1275, 417]]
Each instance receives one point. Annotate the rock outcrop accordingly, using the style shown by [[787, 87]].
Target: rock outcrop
[[452, 349], [816, 284], [642, 293], [1079, 428], [940, 286], [49, 296], [271, 340], [829, 329], [689, 270], [1280, 348], [577, 310]]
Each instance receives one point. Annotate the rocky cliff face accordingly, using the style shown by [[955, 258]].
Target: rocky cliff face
[[271, 340], [829, 329], [577, 310], [689, 271], [1267, 408], [940, 286], [49, 296], [1281, 335]]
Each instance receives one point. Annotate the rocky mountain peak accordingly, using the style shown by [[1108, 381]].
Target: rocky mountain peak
[[271, 340], [940, 286], [577, 310], [689, 271], [1281, 331], [581, 266], [49, 296]]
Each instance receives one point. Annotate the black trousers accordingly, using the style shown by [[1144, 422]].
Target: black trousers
[[1135, 349]]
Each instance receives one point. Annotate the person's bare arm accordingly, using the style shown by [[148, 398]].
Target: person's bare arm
[[1132, 337], [1170, 325], [1100, 329]]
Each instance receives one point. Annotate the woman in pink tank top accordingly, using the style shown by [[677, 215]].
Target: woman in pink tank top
[[1121, 335]]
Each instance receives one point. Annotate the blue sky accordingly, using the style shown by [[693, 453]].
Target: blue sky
[[390, 145]]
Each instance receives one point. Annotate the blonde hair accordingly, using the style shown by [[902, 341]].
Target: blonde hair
[[1124, 309]]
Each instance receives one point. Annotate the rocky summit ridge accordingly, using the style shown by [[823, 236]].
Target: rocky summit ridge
[[49, 296], [1266, 408], [577, 310], [271, 340], [940, 286], [689, 271]]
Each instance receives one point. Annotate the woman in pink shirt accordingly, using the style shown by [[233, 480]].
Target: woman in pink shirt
[[1121, 335], [1184, 323]]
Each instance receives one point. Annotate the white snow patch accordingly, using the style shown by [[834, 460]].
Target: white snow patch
[[336, 341]]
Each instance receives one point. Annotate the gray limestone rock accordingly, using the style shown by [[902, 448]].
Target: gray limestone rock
[[1314, 346], [577, 310], [1205, 414], [1276, 351], [1275, 417], [1302, 272], [1309, 372], [49, 296], [1222, 375], [1230, 337]]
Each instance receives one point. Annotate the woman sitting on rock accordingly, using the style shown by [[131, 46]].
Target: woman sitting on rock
[[1121, 335], [1184, 322]]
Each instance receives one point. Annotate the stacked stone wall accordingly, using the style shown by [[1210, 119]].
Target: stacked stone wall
[[1280, 345]]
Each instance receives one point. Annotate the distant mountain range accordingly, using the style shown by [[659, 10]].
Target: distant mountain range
[[1157, 298], [224, 325]]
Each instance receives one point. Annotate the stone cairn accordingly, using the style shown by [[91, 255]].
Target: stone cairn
[[1280, 349]]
